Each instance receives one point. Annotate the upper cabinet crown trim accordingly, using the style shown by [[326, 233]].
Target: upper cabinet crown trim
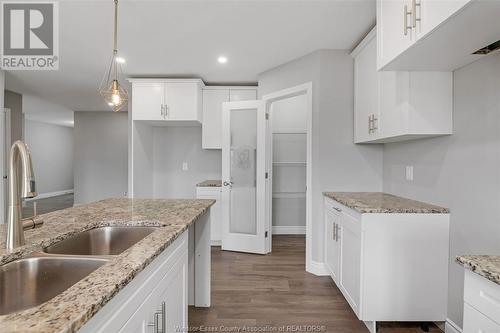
[[165, 80]]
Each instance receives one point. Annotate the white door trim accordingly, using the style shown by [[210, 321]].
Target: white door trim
[[303, 89]]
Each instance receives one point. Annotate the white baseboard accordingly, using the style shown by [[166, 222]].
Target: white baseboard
[[452, 327], [215, 242], [317, 268], [51, 194], [289, 230]]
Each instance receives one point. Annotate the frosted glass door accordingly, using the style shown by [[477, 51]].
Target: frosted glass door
[[243, 175]]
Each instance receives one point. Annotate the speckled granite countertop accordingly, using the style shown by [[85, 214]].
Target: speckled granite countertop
[[484, 265], [210, 183], [68, 311], [378, 202]]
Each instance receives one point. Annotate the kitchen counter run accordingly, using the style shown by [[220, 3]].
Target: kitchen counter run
[[70, 310], [484, 265], [378, 202]]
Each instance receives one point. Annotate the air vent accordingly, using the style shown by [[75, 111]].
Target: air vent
[[490, 48]]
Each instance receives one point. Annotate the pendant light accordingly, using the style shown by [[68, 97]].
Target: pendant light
[[110, 89]]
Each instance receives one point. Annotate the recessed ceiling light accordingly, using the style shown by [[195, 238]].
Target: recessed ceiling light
[[222, 60], [120, 60]]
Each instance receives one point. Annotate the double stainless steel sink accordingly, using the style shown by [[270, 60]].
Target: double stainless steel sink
[[31, 281]]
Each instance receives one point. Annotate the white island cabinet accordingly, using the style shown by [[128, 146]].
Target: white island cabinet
[[389, 266], [157, 299]]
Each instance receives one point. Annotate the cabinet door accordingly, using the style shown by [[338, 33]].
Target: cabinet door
[[181, 100], [350, 260], [432, 13], [168, 300], [212, 117], [391, 36], [147, 100], [476, 322], [393, 103], [242, 95], [366, 88], [332, 254]]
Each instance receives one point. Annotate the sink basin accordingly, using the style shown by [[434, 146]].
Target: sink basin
[[101, 241], [32, 281]]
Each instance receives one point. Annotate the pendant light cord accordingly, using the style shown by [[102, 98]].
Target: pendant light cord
[[115, 36]]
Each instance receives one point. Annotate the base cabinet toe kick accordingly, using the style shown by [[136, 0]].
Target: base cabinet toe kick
[[388, 266], [157, 299]]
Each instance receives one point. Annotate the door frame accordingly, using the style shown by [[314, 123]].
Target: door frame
[[268, 99]]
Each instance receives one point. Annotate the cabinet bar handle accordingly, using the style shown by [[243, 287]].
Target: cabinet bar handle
[[334, 228], [406, 27], [414, 11], [163, 317]]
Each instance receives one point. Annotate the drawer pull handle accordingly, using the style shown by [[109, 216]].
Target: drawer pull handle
[[489, 298]]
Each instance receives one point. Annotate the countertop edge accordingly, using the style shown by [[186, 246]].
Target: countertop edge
[[470, 262]]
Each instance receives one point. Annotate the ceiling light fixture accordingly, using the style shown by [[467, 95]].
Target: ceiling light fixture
[[110, 89], [222, 60]]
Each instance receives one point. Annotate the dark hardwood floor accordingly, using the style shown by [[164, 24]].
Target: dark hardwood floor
[[274, 291]]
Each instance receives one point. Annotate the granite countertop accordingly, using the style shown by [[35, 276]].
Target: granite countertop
[[378, 202], [484, 265], [68, 311], [210, 183]]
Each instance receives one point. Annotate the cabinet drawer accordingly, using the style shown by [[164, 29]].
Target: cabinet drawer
[[333, 206], [483, 295], [476, 322]]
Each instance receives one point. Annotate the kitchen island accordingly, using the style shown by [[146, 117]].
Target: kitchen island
[[182, 237]]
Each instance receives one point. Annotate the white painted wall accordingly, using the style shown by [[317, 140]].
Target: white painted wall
[[100, 155], [52, 152], [461, 171], [171, 147], [41, 110], [337, 163]]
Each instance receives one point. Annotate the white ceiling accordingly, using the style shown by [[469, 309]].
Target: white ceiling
[[184, 38]]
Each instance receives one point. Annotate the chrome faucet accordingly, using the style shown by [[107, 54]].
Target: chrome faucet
[[21, 185]]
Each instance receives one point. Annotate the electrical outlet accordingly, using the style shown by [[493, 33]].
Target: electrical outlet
[[409, 173], [185, 166]]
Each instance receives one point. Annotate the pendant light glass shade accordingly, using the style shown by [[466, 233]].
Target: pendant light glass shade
[[110, 89]]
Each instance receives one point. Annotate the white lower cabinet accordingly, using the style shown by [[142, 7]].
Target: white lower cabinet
[[389, 267], [481, 304], [156, 300], [214, 193]]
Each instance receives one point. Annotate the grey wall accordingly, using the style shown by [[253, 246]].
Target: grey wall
[[52, 151], [461, 171], [171, 147], [101, 142], [337, 163], [14, 102]]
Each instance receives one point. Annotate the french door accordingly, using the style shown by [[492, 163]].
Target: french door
[[244, 177]]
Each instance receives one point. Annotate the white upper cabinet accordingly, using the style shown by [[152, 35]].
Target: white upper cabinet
[[434, 35], [398, 106], [167, 101], [213, 97]]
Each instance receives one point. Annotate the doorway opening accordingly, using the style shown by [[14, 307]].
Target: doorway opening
[[264, 140], [289, 163]]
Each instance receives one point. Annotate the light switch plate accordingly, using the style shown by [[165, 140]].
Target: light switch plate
[[185, 166], [409, 173]]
